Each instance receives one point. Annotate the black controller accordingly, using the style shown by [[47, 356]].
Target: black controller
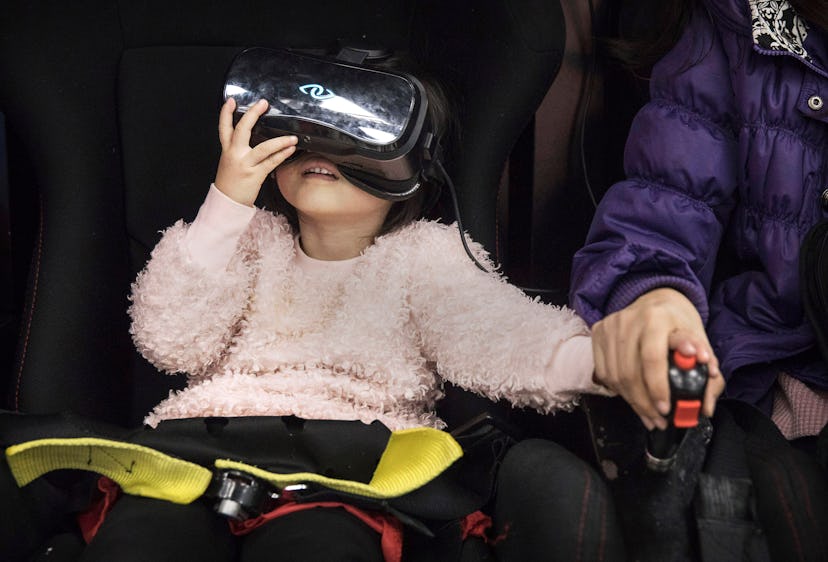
[[688, 380]]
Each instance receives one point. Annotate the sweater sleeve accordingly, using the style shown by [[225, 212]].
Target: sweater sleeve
[[662, 226], [487, 336], [214, 234], [191, 294]]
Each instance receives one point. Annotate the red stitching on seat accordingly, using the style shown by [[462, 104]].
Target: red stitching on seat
[[788, 513], [32, 302], [500, 187], [603, 542], [804, 493], [584, 504]]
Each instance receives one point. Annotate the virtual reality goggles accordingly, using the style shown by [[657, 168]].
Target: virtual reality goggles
[[370, 122]]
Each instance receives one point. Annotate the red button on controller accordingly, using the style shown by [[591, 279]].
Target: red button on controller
[[687, 413]]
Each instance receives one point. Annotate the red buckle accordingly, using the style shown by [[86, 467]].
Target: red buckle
[[687, 413]]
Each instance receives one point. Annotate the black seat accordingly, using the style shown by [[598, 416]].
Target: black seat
[[111, 113], [112, 110]]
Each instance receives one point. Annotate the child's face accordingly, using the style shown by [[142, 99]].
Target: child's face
[[318, 192]]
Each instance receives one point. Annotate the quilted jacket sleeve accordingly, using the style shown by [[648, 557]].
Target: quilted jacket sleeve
[[192, 292], [487, 336], [662, 226]]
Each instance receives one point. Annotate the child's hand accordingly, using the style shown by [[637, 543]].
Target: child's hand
[[632, 345], [241, 169]]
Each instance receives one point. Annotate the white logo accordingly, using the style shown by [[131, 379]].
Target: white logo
[[316, 91]]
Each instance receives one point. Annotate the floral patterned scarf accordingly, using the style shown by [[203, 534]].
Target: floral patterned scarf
[[777, 27]]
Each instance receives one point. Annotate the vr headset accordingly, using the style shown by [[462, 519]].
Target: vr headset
[[371, 123]]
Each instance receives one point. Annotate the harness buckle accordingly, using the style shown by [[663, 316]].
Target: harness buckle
[[241, 496]]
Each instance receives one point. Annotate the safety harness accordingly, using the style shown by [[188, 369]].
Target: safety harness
[[411, 459], [257, 468]]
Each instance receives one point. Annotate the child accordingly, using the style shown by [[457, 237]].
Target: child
[[699, 247], [341, 307], [737, 114], [353, 320]]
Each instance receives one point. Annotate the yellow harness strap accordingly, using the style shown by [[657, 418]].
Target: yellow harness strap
[[412, 458], [139, 471]]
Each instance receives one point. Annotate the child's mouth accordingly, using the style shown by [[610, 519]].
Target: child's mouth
[[320, 172]]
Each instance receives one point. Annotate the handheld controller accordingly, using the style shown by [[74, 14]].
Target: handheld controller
[[688, 381]]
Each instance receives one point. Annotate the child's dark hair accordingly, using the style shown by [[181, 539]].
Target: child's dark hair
[[814, 11], [403, 212], [652, 40], [642, 44]]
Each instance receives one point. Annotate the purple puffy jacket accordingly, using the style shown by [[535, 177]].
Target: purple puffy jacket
[[727, 169]]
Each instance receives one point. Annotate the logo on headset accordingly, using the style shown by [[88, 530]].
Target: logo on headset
[[316, 91]]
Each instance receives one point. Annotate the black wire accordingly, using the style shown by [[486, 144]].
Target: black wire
[[453, 194], [584, 111], [585, 106]]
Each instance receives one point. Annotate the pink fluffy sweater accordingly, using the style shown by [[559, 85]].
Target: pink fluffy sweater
[[262, 329]]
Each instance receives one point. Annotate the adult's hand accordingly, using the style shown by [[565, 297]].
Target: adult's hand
[[631, 350]]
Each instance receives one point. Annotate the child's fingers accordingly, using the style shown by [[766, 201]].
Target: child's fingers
[[269, 164], [600, 364], [225, 126], [638, 398], [265, 150], [619, 367], [654, 350], [241, 134], [715, 386], [632, 377]]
